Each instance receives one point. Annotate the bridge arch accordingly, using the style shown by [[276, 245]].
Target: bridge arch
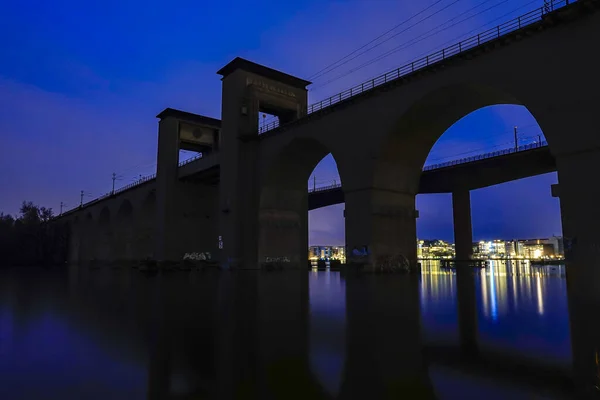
[[104, 242], [146, 224], [124, 231], [283, 204], [86, 246], [405, 147]]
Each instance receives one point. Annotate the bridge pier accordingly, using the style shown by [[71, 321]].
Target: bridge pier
[[463, 231], [74, 243], [465, 279], [283, 229], [385, 223], [167, 209], [580, 214]]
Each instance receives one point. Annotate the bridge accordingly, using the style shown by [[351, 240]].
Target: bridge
[[245, 200]]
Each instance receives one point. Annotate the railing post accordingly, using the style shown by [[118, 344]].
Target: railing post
[[460, 47], [385, 78], [412, 66], [340, 96], [373, 82], [427, 60], [498, 30], [478, 39], [443, 54], [519, 19]]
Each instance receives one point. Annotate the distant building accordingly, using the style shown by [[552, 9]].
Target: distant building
[[435, 249], [327, 253]]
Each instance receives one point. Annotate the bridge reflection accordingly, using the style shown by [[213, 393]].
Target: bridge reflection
[[291, 335]]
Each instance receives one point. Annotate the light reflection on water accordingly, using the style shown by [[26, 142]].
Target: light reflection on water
[[327, 294], [50, 336], [520, 308]]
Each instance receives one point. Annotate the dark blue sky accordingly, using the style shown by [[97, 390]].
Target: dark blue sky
[[81, 82]]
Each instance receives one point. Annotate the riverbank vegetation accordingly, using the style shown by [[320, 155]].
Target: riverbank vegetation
[[30, 238]]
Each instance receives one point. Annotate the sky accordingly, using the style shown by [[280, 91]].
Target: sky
[[82, 82]]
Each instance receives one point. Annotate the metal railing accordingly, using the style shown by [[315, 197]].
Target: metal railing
[[189, 160], [138, 182], [463, 46], [324, 188], [452, 163], [486, 155]]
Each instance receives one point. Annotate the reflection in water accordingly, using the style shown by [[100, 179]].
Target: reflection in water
[[327, 294], [121, 334], [521, 308]]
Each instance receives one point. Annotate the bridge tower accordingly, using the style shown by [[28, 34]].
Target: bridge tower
[[178, 130], [248, 90]]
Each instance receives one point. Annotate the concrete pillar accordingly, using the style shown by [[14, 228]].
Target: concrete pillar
[[87, 245], [166, 189], [248, 89], [383, 334], [239, 202], [74, 244], [465, 279], [579, 199], [283, 236], [384, 221], [463, 231]]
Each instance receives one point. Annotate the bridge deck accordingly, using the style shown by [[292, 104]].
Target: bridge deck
[[477, 171]]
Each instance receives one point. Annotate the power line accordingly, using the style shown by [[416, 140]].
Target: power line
[[313, 76], [390, 38], [412, 42], [476, 29]]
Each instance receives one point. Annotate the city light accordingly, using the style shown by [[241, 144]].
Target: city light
[[523, 249]]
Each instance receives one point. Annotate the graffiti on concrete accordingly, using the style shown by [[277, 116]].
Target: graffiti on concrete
[[197, 256], [362, 252], [277, 259]]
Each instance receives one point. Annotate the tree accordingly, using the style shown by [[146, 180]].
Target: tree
[[32, 238]]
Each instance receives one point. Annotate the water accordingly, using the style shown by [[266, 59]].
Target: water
[[120, 334]]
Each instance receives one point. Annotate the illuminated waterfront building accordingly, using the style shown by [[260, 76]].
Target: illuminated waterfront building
[[533, 249], [327, 253]]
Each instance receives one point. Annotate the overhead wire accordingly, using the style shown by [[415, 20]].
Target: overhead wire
[[333, 66], [410, 43], [455, 39]]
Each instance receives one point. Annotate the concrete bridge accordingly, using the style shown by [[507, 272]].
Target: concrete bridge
[[380, 134], [121, 225]]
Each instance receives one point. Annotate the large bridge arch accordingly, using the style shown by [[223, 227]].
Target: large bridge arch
[[283, 200], [380, 209], [404, 147]]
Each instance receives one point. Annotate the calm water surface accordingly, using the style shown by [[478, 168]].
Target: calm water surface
[[101, 334]]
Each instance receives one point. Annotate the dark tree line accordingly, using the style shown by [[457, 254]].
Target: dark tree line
[[32, 238]]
